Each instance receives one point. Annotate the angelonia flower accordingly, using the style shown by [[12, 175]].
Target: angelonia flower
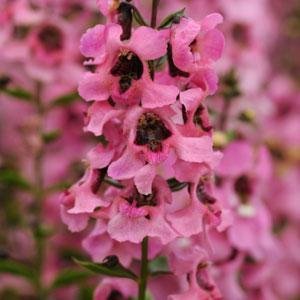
[[150, 177], [183, 183]]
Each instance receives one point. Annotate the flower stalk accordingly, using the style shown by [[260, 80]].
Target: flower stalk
[[144, 270]]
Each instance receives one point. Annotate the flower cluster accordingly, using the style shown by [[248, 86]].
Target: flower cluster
[[151, 174], [192, 188]]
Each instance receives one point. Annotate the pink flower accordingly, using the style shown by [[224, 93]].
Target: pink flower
[[47, 43], [138, 216], [195, 46], [100, 245], [152, 137], [122, 70]]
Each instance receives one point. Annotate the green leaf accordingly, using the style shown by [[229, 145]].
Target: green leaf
[[69, 277], [18, 269], [159, 266], [138, 17], [65, 100], [12, 178], [108, 268], [18, 93], [86, 293], [51, 136], [173, 18]]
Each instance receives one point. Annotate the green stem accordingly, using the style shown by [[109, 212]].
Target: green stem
[[39, 194], [154, 13], [144, 270]]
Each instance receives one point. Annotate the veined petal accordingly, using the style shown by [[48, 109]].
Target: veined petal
[[94, 86], [158, 95], [126, 166], [148, 43]]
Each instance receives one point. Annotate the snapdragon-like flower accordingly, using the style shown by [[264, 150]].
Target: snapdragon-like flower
[[156, 147], [122, 71]]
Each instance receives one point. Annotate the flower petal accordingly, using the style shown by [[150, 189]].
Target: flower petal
[[194, 149], [126, 166], [144, 179], [158, 95], [94, 87], [92, 43], [148, 43], [100, 156], [191, 98], [211, 21]]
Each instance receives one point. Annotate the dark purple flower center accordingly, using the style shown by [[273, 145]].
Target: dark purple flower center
[[151, 131], [243, 187], [128, 67], [51, 38], [20, 31], [203, 196], [240, 34], [116, 295], [198, 119], [142, 200]]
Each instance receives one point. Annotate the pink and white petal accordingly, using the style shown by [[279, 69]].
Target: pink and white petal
[[182, 56], [113, 42], [126, 166], [194, 149], [158, 95], [182, 36], [144, 179], [100, 156], [161, 229], [122, 228], [94, 86], [86, 202], [148, 43], [187, 221], [92, 43], [191, 98], [206, 79], [75, 222], [98, 246], [186, 31], [213, 45], [99, 114], [211, 21]]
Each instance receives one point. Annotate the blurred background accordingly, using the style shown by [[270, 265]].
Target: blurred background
[[42, 142]]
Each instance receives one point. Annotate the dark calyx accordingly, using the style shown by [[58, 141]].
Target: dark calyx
[[203, 196], [98, 178], [240, 33], [51, 37], [20, 31], [116, 295], [4, 81], [197, 119], [142, 200], [243, 187], [151, 131], [125, 19], [128, 67], [173, 70]]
